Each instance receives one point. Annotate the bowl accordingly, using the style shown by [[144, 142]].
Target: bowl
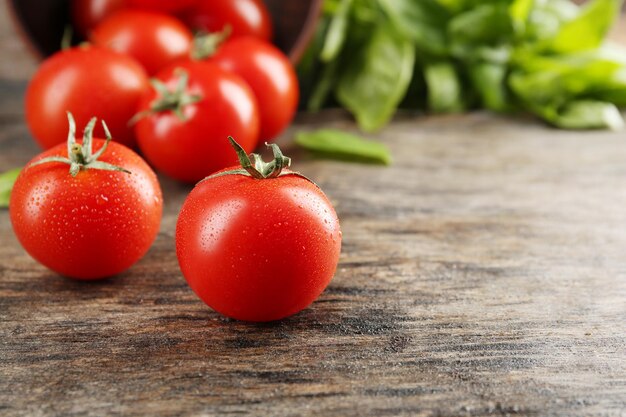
[[43, 22]]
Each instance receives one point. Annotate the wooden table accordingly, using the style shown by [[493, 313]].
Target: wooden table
[[484, 273]]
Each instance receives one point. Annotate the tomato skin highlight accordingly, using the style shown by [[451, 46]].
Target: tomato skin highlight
[[245, 17], [91, 226], [155, 40], [190, 150], [258, 250], [271, 76], [87, 81]]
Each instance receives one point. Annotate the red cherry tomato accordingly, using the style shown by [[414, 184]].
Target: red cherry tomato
[[86, 14], [153, 39], [270, 75], [257, 249], [268, 72], [245, 17], [92, 225], [163, 6], [192, 144], [87, 81]]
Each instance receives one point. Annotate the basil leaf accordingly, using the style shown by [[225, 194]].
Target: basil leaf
[[423, 21], [547, 57], [486, 24], [546, 18], [336, 34], [7, 179], [554, 81], [444, 88], [520, 11], [310, 67], [588, 114], [336, 144], [375, 82], [588, 29], [324, 87], [490, 82]]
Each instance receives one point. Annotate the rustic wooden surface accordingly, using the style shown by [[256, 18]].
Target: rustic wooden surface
[[484, 273]]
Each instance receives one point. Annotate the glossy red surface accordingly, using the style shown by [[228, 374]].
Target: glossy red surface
[[89, 82], [191, 149], [270, 75], [91, 226], [245, 17], [153, 39], [258, 250]]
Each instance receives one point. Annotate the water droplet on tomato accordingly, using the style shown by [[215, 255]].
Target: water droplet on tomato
[[102, 199]]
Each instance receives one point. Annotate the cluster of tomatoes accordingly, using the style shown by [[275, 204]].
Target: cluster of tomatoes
[[231, 81], [255, 240]]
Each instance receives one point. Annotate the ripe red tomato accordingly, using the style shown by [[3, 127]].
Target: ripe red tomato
[[94, 224], [153, 39], [86, 14], [164, 6], [87, 81], [186, 139], [245, 17], [270, 75], [257, 249]]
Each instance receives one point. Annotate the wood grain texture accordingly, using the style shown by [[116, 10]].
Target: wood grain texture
[[484, 273]]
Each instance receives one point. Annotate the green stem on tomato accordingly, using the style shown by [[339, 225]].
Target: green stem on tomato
[[80, 156], [205, 45], [253, 165], [174, 101]]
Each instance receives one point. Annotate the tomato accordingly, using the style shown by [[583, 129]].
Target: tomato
[[164, 6], [87, 81], [89, 221], [153, 39], [86, 14], [270, 75], [245, 17], [184, 131], [258, 249]]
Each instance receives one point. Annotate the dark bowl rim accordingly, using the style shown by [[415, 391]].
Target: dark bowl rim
[[295, 54]]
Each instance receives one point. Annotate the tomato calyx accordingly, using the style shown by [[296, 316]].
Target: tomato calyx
[[253, 165], [174, 101], [81, 156], [205, 45]]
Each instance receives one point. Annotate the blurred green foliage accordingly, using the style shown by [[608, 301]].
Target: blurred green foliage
[[548, 57]]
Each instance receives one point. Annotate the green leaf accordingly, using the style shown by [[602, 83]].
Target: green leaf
[[423, 21], [458, 6], [485, 24], [490, 82], [444, 88], [546, 19], [7, 179], [520, 12], [316, 78], [554, 81], [337, 30], [588, 114], [324, 86], [336, 144], [374, 83], [588, 29]]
